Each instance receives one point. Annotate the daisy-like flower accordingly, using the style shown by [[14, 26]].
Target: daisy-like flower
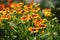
[[47, 12], [42, 26], [34, 15], [24, 11], [18, 11], [4, 12], [28, 7], [20, 4], [47, 9], [35, 9], [12, 11], [5, 17], [38, 21], [25, 18], [7, 9], [33, 30], [13, 5]]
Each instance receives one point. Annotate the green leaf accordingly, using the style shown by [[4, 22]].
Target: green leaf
[[12, 24], [51, 4], [40, 13]]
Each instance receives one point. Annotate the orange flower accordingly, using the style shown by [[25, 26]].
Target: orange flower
[[2, 6], [38, 20], [24, 12], [4, 12], [47, 9], [25, 18], [35, 9], [20, 4], [42, 25], [12, 11], [5, 17], [13, 5], [33, 30], [28, 7], [34, 16], [7, 9], [18, 11]]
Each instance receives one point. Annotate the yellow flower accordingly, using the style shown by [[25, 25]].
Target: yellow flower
[[1, 11], [18, 11], [5, 17], [25, 18], [42, 26], [20, 4], [12, 11], [28, 7], [47, 12], [7, 9], [35, 9], [33, 30], [4, 12], [23, 11], [47, 9], [13, 5], [34, 15], [38, 21]]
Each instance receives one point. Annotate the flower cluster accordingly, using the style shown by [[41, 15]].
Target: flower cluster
[[29, 12]]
